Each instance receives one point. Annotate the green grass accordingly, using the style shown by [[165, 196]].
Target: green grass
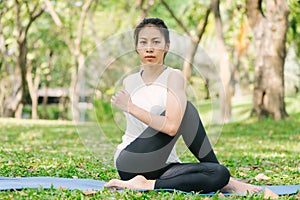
[[54, 148]]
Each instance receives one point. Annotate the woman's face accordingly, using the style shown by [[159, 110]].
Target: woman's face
[[151, 45]]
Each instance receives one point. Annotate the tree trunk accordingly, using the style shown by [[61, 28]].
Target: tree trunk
[[73, 93], [10, 82], [63, 101], [45, 101], [144, 8], [34, 107], [33, 85], [187, 65], [21, 68], [14, 97], [47, 81], [224, 65], [4, 74], [241, 80], [269, 30], [78, 69]]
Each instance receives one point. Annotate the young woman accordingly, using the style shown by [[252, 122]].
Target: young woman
[[157, 113]]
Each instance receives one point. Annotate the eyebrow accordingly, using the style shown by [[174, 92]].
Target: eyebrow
[[144, 38]]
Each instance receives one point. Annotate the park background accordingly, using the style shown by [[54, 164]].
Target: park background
[[45, 45]]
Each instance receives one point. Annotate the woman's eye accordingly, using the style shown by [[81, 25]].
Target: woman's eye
[[156, 42], [143, 42]]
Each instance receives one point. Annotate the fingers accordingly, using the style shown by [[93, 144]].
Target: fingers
[[113, 99], [121, 100], [117, 96], [122, 92]]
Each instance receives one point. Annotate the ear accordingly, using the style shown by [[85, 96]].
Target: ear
[[137, 51], [167, 47]]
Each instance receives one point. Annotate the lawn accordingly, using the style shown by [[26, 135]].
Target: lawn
[[54, 148]]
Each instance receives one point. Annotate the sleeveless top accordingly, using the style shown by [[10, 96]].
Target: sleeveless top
[[152, 98]]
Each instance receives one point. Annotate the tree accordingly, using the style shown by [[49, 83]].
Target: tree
[[24, 14], [241, 70], [33, 13], [224, 64], [144, 7], [187, 66], [294, 28], [269, 28], [75, 47], [6, 75], [33, 80]]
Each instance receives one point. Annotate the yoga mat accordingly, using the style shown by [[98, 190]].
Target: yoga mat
[[7, 183], [45, 182]]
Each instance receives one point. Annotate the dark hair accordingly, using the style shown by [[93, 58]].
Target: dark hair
[[156, 22]]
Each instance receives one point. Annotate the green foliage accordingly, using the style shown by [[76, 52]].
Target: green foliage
[[103, 110], [294, 28], [52, 111]]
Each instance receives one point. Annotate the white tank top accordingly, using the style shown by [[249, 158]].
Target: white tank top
[[152, 98]]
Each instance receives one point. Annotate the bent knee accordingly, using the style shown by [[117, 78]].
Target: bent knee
[[122, 161], [224, 175]]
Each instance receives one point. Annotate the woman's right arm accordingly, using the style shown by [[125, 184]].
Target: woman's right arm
[[175, 108]]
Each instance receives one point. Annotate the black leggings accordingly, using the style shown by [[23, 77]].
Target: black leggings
[[147, 155]]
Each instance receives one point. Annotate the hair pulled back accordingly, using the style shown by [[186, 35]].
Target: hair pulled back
[[152, 21]]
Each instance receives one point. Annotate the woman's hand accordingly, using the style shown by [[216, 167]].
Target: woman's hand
[[121, 100]]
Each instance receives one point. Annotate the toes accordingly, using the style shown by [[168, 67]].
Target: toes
[[111, 183], [255, 190]]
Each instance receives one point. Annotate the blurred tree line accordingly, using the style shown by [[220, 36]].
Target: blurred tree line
[[44, 44]]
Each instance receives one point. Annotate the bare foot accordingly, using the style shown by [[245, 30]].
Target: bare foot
[[138, 182], [240, 187]]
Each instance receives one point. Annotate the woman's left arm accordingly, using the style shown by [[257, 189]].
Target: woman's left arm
[[176, 104]]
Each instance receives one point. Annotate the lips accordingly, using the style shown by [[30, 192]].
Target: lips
[[148, 57]]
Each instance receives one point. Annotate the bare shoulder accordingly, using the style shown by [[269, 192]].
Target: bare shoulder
[[176, 78], [131, 77], [130, 81], [177, 72]]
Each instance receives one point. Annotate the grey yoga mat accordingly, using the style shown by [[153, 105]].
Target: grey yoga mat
[[7, 183], [45, 182]]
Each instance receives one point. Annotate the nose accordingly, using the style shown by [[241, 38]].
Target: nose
[[149, 48]]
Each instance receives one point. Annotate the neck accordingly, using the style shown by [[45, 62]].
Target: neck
[[151, 72], [152, 67]]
